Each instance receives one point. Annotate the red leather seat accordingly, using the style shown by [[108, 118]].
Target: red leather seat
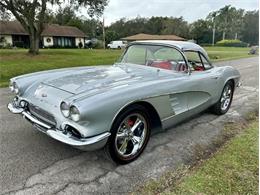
[[164, 65], [199, 68]]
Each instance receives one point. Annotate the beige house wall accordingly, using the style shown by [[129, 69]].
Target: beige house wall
[[78, 40], [8, 40], [46, 43]]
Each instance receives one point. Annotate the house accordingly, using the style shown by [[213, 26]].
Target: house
[[12, 33], [142, 36]]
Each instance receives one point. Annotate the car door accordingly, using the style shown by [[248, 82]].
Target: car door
[[175, 61], [176, 89], [203, 83]]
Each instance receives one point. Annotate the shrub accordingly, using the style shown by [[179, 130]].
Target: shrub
[[98, 45], [231, 43]]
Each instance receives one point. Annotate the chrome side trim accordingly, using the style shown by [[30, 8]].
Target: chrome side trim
[[68, 139], [34, 120], [167, 118]]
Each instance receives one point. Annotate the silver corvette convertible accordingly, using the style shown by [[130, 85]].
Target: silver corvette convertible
[[154, 85]]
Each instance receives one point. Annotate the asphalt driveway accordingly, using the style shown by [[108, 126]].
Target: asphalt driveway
[[32, 163]]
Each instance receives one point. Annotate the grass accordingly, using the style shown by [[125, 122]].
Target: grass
[[231, 170], [15, 62], [227, 53]]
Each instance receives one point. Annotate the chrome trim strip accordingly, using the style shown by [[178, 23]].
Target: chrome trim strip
[[68, 139], [32, 110], [34, 120], [167, 118], [13, 109]]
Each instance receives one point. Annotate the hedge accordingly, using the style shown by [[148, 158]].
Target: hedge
[[231, 43]]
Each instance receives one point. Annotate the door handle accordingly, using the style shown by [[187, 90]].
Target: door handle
[[214, 77]]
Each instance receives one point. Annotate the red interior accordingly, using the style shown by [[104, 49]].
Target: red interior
[[164, 65], [199, 68]]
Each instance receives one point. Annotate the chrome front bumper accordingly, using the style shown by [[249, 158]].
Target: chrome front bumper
[[87, 144]]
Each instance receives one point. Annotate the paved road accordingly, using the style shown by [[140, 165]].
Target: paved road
[[32, 163]]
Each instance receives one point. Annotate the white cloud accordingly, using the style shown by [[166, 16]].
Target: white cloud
[[191, 10]]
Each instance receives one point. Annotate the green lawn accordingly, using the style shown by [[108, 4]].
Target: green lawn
[[16, 61], [231, 170], [227, 53]]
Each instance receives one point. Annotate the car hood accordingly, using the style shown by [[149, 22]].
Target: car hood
[[102, 77]]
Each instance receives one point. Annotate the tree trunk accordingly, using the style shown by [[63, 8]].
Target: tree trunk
[[236, 36], [34, 43], [223, 35]]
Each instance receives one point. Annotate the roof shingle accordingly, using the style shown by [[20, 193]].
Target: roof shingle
[[15, 28]]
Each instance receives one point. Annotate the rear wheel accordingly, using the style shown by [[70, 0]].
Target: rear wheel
[[129, 135], [223, 105]]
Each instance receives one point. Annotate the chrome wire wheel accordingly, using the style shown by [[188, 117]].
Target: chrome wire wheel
[[131, 134], [226, 97]]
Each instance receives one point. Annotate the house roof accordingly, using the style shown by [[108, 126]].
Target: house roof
[[143, 36], [66, 31], [15, 28], [11, 28]]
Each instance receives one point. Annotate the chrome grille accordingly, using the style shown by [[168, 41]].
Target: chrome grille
[[42, 115]]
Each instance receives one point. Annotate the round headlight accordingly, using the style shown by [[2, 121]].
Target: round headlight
[[74, 113], [65, 109], [11, 86], [15, 88], [23, 103]]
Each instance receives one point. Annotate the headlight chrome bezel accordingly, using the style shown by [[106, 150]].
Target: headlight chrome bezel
[[65, 109], [11, 87], [14, 87], [71, 111], [74, 113]]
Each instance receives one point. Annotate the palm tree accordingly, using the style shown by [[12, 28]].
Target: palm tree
[[224, 18]]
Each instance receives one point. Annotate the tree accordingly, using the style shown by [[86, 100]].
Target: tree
[[228, 20], [32, 14], [111, 36], [155, 25], [223, 19], [92, 27], [176, 26], [250, 27], [4, 15], [65, 15], [236, 23], [200, 31], [119, 27]]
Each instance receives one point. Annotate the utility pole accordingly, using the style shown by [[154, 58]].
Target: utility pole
[[104, 35], [213, 34]]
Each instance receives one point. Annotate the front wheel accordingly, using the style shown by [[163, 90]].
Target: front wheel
[[129, 135], [223, 105]]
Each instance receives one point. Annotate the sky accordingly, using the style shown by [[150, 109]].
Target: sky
[[191, 10]]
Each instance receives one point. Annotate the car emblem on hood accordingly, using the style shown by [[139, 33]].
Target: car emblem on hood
[[44, 95]]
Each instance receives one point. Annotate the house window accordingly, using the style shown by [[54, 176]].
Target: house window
[[64, 41]]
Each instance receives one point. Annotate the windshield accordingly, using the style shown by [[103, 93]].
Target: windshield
[[155, 56]]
